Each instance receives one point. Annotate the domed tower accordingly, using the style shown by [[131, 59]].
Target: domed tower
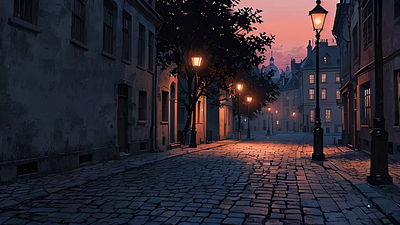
[[271, 66]]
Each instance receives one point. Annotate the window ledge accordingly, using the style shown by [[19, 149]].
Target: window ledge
[[25, 25], [164, 122], [396, 128], [142, 122], [126, 61], [396, 21], [150, 71], [364, 126], [108, 55], [140, 67], [79, 44]]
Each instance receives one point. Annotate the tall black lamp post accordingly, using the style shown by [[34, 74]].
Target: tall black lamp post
[[239, 87], [249, 98], [196, 62], [379, 172], [318, 15]]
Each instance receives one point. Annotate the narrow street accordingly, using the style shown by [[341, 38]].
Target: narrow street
[[267, 180]]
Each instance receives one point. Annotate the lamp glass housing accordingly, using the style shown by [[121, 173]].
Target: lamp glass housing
[[196, 61], [318, 15], [249, 98], [240, 87]]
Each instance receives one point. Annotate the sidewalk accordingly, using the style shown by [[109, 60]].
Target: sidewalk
[[22, 190], [354, 166]]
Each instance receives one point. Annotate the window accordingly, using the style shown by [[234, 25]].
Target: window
[[78, 21], [396, 8], [367, 24], [337, 78], [311, 94], [26, 10], [325, 60], [142, 105], [287, 112], [277, 122], [327, 115], [108, 27], [126, 36], [151, 49], [312, 78], [367, 107], [164, 102], [355, 42], [277, 111], [141, 44], [312, 116], [397, 98], [323, 93], [323, 78], [337, 94], [264, 125]]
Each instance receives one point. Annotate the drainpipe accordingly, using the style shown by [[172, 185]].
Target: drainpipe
[[154, 100]]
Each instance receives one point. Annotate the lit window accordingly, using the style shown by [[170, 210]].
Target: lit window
[[277, 122], [276, 111], [312, 116], [337, 78], [328, 115], [367, 108], [311, 94], [325, 60], [323, 80], [312, 78], [338, 94], [323, 93]]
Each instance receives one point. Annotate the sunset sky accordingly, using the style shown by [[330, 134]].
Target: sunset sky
[[288, 20]]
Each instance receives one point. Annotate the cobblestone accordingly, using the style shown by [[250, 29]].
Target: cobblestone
[[268, 180]]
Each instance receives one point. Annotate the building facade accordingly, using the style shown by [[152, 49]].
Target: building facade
[[329, 67], [78, 81], [354, 28]]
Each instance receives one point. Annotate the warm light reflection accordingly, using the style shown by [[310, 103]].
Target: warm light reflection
[[269, 108], [294, 113]]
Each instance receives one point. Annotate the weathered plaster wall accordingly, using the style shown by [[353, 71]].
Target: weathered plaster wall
[[55, 97]]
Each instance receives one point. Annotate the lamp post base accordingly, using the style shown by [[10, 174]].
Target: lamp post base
[[378, 179], [318, 154], [193, 143], [239, 135]]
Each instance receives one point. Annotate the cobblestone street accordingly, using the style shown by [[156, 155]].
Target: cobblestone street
[[267, 180]]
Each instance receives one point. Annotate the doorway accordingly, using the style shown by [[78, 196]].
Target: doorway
[[123, 117], [172, 114]]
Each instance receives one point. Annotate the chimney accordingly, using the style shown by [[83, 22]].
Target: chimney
[[309, 48]]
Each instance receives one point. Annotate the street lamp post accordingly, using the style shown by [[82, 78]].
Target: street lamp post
[[379, 172], [249, 98], [196, 62], [318, 15], [269, 111], [239, 87]]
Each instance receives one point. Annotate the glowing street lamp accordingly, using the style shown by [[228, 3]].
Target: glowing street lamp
[[196, 63], [239, 87], [269, 111], [318, 15], [249, 98]]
